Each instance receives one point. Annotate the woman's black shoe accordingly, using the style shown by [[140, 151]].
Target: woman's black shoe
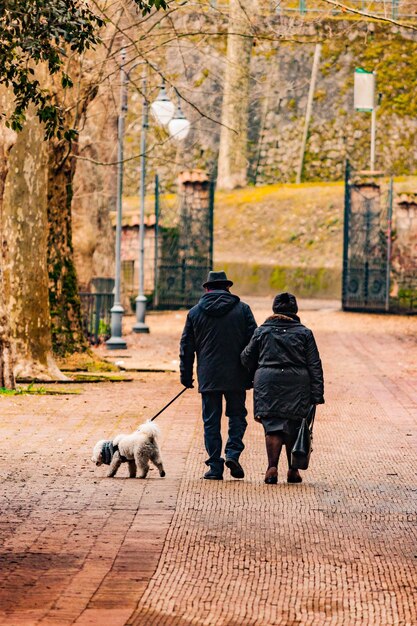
[[293, 476], [271, 476]]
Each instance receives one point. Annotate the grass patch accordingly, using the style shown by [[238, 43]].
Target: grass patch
[[284, 225], [94, 378], [85, 362], [36, 390]]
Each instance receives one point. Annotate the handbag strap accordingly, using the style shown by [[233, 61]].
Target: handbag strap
[[310, 417]]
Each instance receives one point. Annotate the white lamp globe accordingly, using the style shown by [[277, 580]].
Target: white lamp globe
[[179, 126], [162, 108]]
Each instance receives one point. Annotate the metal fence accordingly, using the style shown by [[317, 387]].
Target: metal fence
[[183, 245], [95, 311], [374, 278]]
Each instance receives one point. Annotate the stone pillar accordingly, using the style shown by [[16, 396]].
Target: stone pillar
[[404, 248], [194, 195], [195, 229]]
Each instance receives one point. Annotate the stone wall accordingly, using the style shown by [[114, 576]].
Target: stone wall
[[280, 74], [336, 130], [266, 280]]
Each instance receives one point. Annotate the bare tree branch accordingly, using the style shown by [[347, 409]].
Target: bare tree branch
[[379, 18]]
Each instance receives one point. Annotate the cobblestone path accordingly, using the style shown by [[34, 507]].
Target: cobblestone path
[[339, 549]]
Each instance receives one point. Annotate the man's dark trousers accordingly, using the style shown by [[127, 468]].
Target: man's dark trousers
[[212, 413]]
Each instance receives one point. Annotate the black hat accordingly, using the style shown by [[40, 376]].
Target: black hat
[[285, 303], [216, 279]]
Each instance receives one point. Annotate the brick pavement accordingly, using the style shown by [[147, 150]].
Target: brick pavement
[[77, 548]]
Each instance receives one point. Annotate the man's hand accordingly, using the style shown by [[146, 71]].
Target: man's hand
[[187, 383]]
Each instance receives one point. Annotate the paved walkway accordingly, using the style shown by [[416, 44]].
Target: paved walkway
[[77, 548]]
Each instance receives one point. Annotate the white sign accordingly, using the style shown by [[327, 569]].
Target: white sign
[[364, 90]]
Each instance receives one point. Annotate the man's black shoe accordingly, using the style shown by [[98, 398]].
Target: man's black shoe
[[210, 475], [235, 468]]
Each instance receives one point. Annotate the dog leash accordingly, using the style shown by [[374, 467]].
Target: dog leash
[[169, 403]]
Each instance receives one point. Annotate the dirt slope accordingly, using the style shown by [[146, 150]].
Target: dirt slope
[[295, 225]]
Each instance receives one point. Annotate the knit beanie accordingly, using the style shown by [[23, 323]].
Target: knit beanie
[[285, 303]]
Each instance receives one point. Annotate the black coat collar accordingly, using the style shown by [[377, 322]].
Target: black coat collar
[[283, 317]]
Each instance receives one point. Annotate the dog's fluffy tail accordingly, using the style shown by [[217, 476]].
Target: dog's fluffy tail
[[149, 428]]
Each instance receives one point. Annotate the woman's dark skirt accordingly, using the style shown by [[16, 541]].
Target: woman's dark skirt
[[288, 427]]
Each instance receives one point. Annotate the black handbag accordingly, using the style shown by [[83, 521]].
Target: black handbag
[[301, 452]]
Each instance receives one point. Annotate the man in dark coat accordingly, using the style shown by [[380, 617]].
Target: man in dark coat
[[217, 329]]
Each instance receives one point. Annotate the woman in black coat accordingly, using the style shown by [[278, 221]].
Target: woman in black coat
[[288, 379]]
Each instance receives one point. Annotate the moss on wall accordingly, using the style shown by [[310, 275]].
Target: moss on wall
[[264, 280], [337, 131]]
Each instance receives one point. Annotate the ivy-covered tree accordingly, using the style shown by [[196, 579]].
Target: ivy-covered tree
[[39, 40]]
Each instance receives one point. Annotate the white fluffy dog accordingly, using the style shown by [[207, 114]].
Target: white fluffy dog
[[137, 449]]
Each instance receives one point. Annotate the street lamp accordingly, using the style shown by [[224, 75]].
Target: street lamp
[[163, 110], [116, 342], [178, 127]]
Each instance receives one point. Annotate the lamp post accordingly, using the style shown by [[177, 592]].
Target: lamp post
[[116, 342], [141, 326], [178, 126]]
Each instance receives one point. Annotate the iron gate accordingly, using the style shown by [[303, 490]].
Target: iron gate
[[367, 242], [183, 243]]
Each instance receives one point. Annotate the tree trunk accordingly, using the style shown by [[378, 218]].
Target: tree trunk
[[95, 184], [25, 222], [95, 190], [7, 139], [64, 299], [65, 305], [233, 159]]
